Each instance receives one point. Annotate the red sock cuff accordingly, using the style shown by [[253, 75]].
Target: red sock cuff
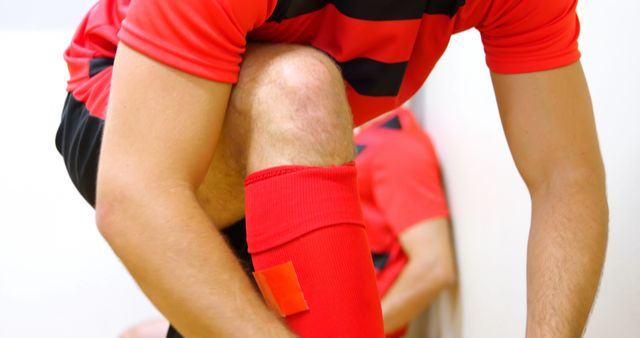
[[309, 198]]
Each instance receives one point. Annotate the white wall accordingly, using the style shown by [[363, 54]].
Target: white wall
[[42, 14], [59, 279], [489, 202]]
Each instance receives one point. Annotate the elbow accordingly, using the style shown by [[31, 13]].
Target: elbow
[[569, 178], [441, 272], [108, 213], [129, 207], [445, 275], [576, 186], [116, 201]]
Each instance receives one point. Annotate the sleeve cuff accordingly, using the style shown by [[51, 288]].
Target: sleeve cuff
[[226, 72]]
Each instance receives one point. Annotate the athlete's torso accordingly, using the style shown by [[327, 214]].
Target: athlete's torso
[[386, 48]]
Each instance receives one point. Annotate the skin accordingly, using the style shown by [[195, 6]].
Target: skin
[[176, 145], [162, 138], [430, 269], [548, 120], [155, 202]]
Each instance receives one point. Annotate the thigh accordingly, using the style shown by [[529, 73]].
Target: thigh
[[221, 194]]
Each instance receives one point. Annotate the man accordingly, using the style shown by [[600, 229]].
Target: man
[[405, 212], [181, 142]]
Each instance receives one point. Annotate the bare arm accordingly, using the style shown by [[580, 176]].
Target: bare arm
[[431, 268], [548, 120], [159, 139]]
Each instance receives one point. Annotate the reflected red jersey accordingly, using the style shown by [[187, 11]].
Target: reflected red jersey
[[385, 48], [400, 186]]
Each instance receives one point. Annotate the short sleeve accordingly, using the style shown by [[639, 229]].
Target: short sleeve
[[522, 36], [406, 183], [205, 38]]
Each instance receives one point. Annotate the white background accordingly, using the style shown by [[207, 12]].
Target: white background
[[59, 279]]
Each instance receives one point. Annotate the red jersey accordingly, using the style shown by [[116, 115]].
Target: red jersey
[[385, 48], [400, 186]]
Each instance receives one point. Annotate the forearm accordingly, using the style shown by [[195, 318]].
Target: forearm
[[184, 266], [413, 291], [566, 251]]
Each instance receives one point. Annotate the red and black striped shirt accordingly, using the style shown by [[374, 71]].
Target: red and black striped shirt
[[386, 48]]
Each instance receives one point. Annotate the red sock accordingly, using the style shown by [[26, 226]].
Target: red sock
[[306, 223]]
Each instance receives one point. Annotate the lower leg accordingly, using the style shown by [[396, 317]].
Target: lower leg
[[303, 213], [289, 128]]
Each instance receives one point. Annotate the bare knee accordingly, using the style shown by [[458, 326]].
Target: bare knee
[[291, 106]]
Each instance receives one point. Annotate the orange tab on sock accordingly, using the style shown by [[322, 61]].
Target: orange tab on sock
[[281, 289]]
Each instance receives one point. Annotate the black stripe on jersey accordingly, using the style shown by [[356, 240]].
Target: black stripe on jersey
[[287, 9], [446, 7], [380, 260], [372, 10], [360, 148], [379, 10], [99, 64], [374, 78], [394, 123]]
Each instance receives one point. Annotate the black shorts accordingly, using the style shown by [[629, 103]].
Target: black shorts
[[78, 140]]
